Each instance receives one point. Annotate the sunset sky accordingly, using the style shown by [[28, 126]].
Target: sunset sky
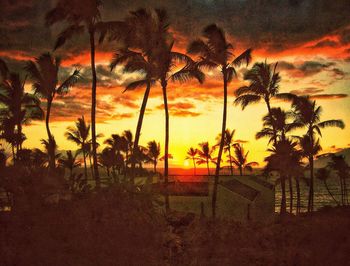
[[309, 39]]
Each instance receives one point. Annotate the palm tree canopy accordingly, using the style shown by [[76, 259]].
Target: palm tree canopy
[[191, 153], [263, 84], [44, 73], [215, 51], [153, 150], [80, 133]]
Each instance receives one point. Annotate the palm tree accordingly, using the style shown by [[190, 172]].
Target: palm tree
[[323, 174], [44, 72], [51, 149], [240, 159], [216, 52], [282, 159], [81, 17], [19, 107], [307, 113], [70, 162], [263, 85], [153, 152], [205, 154], [127, 134], [79, 135], [229, 142], [342, 169], [106, 159], [191, 155]]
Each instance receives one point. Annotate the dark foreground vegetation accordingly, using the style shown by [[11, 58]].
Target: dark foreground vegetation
[[113, 227]]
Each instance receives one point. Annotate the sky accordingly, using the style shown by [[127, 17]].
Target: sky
[[310, 40]]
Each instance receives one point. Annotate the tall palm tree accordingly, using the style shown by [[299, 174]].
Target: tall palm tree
[[263, 85], [217, 52], [229, 142], [79, 135], [323, 174], [19, 107], [153, 152], [191, 155], [241, 159], [308, 114], [205, 154], [44, 71], [80, 17]]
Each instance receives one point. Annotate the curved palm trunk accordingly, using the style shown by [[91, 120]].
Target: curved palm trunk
[[231, 166], [283, 200], [138, 131], [93, 107], [329, 192], [51, 152], [217, 170], [166, 149]]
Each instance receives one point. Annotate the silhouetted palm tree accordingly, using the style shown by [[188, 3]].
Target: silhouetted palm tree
[[229, 142], [240, 159], [264, 85], [323, 174], [79, 135], [278, 124], [80, 17], [216, 52], [205, 154], [44, 72], [283, 153], [341, 167], [191, 155], [106, 159], [51, 149], [307, 113], [19, 107], [70, 162], [153, 152], [127, 134]]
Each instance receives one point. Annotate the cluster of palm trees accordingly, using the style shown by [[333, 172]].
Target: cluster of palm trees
[[287, 151], [145, 46], [236, 156]]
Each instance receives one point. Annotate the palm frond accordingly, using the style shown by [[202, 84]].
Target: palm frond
[[332, 123], [67, 34], [245, 56], [246, 99]]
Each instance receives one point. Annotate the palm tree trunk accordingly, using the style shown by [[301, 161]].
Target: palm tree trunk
[[329, 192], [194, 166], [283, 200], [310, 206], [290, 194], [166, 149], [84, 156], [231, 166], [91, 167], [217, 170], [240, 170], [155, 166], [271, 118], [51, 152], [138, 131], [13, 153], [298, 194], [93, 106], [208, 167]]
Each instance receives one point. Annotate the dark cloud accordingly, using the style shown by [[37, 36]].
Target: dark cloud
[[274, 25], [307, 91], [308, 68], [325, 43], [331, 96]]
